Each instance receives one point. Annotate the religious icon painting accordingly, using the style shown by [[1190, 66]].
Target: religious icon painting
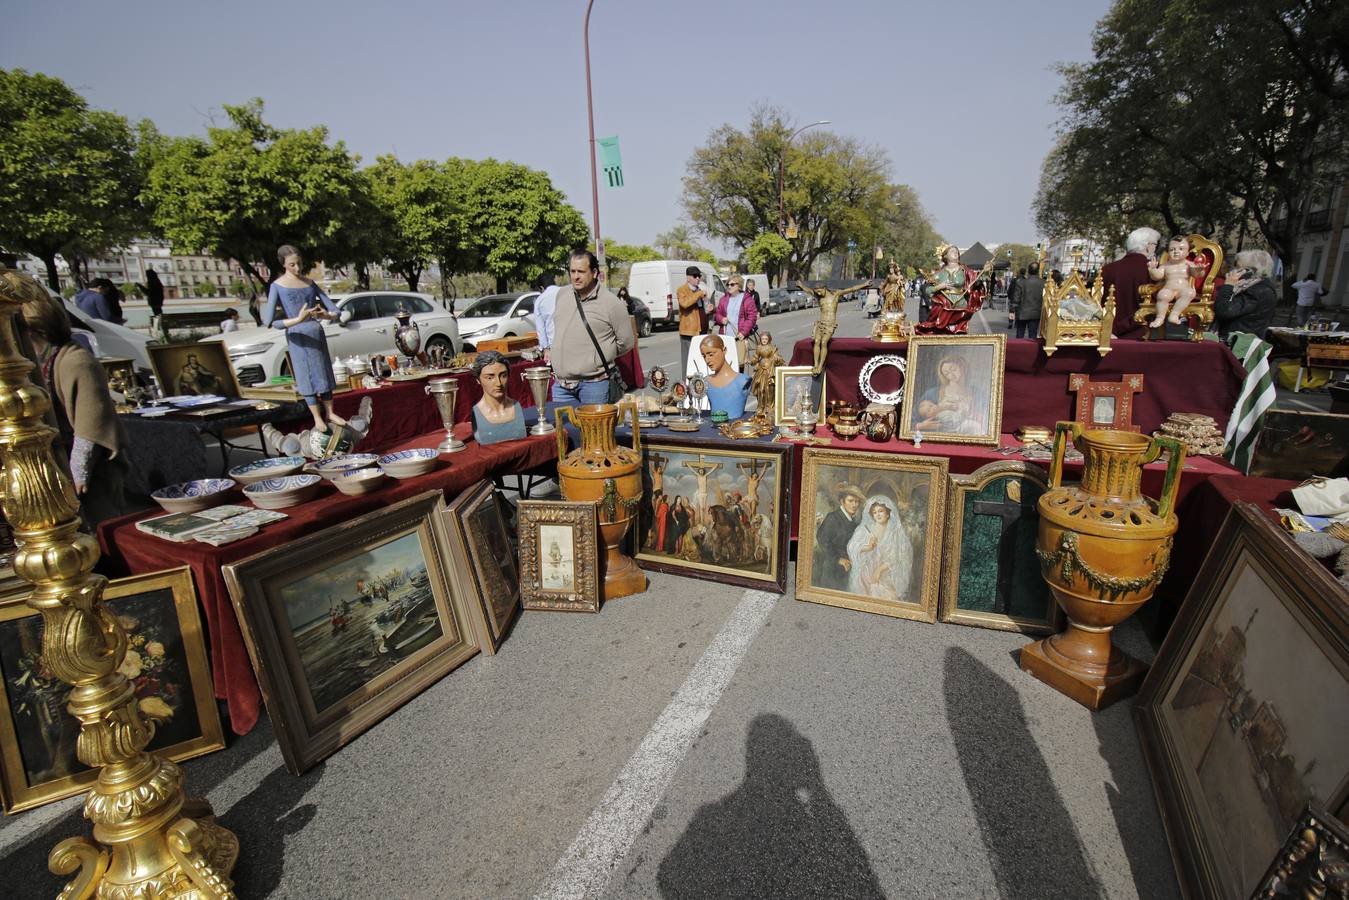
[[191, 370], [346, 625], [559, 555], [1105, 404], [992, 577], [716, 511], [953, 389], [165, 662], [869, 536], [796, 389], [482, 558]]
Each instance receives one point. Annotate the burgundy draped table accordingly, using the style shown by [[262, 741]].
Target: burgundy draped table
[[1178, 376], [136, 552]]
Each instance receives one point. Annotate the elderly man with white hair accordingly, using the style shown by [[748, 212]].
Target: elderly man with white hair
[[1127, 274], [1246, 301]]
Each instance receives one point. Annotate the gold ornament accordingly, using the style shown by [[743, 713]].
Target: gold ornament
[[149, 841]]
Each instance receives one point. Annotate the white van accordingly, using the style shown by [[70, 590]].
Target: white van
[[654, 282]]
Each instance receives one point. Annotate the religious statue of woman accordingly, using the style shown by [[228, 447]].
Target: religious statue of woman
[[949, 290], [763, 360]]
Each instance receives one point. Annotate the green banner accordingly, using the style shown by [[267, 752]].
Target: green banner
[[611, 161]]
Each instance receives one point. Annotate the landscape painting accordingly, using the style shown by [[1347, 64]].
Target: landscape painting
[[484, 555]]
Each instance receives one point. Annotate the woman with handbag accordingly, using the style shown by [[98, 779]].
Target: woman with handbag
[[591, 331]]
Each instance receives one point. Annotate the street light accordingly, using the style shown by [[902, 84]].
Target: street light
[[594, 180], [782, 220]]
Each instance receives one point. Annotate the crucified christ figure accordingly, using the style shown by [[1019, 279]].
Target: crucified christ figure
[[828, 321]]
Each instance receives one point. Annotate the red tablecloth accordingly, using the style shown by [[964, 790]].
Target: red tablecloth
[[230, 668], [1178, 376]]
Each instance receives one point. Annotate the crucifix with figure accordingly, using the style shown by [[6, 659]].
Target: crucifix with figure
[[703, 470], [1010, 510], [755, 470]]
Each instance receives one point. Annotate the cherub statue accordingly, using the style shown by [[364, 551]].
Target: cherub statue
[[827, 324], [1175, 271], [763, 359]]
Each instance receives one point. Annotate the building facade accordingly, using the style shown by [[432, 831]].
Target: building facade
[[1323, 250]]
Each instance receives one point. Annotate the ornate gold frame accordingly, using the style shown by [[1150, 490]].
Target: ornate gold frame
[[583, 519], [934, 467], [17, 795], [913, 387], [1058, 331], [780, 374], [949, 608], [1201, 309], [472, 563]]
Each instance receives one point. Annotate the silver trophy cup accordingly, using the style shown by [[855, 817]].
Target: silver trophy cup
[[538, 379], [446, 392]]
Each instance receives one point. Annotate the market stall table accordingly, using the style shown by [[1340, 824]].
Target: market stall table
[[171, 448], [138, 552]]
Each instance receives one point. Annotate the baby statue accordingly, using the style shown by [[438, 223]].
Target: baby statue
[[1176, 271]]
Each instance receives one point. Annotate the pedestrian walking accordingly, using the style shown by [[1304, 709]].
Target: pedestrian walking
[[1026, 303], [692, 318], [1308, 290]]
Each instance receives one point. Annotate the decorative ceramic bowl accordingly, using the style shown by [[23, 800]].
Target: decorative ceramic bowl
[[336, 465], [359, 481], [277, 493], [263, 469], [190, 496], [410, 463], [846, 431]]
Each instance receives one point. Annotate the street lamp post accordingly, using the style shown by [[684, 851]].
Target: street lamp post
[[782, 219], [590, 113]]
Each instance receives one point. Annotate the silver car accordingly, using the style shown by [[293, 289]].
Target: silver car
[[498, 316]]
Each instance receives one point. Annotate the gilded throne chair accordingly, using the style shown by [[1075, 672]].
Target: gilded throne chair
[[1075, 316], [1199, 314]]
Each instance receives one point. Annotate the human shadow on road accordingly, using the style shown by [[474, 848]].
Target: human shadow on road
[[1031, 841], [778, 835], [262, 821]]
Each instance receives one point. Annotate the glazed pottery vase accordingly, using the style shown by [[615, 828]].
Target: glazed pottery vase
[[603, 471], [1103, 547]]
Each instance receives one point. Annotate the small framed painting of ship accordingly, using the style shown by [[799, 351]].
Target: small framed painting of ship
[[345, 626], [559, 555]]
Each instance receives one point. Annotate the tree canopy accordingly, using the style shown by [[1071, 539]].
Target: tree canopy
[[420, 212]]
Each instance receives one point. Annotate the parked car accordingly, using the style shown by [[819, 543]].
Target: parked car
[[802, 299], [108, 340], [498, 316], [655, 281], [367, 323], [459, 304], [637, 309], [776, 301]]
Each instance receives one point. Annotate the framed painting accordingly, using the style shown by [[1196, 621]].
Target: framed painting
[[346, 625], [166, 663], [1105, 404], [1298, 445], [1313, 862], [869, 533], [481, 555], [717, 512], [953, 389], [991, 575], [559, 555], [193, 369], [796, 389], [1244, 716], [120, 372]]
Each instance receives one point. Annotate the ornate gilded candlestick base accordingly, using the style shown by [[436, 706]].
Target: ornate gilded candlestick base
[[149, 841]]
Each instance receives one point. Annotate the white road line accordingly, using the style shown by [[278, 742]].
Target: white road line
[[613, 825]]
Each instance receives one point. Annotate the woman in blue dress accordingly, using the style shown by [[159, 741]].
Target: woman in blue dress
[[727, 389], [304, 309]]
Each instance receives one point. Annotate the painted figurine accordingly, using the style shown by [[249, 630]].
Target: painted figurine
[[1175, 273], [827, 324], [763, 360]]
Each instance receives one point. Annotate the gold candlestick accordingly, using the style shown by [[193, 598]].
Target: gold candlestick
[[149, 841]]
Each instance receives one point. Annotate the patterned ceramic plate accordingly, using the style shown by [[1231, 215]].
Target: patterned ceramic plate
[[280, 485], [202, 488]]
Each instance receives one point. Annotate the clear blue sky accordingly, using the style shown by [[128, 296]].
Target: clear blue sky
[[505, 79]]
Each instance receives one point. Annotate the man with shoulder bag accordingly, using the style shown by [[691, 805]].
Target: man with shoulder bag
[[591, 329]]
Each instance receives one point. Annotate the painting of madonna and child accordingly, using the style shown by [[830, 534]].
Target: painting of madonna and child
[[716, 514], [953, 389], [869, 535]]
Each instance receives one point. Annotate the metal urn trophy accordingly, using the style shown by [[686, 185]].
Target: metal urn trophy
[[1103, 547], [406, 337], [446, 392], [538, 378]]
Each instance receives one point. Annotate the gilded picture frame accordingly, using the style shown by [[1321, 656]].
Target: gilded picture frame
[[883, 554], [991, 524], [788, 381], [346, 625], [180, 368], [953, 388], [166, 664], [1244, 715], [1105, 404], [559, 555], [481, 556], [1313, 862], [717, 511]]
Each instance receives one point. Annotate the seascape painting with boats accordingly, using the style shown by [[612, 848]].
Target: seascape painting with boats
[[360, 617]]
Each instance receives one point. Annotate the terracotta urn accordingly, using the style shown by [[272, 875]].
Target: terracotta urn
[[603, 471], [1103, 547]]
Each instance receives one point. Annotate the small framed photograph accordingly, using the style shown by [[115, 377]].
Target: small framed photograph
[[953, 389], [559, 555], [869, 536], [193, 369], [482, 556], [345, 626], [165, 662], [992, 576], [795, 389], [1106, 404]]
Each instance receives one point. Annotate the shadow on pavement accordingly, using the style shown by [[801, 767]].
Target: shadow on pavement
[[1032, 844], [262, 821], [777, 835]]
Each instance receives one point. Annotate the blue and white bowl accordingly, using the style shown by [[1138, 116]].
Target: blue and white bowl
[[263, 469], [335, 465], [359, 481], [278, 493], [410, 463], [190, 496]]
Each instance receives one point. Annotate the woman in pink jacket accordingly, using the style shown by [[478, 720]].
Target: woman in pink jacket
[[737, 307]]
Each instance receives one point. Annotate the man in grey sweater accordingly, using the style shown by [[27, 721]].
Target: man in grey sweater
[[579, 373]]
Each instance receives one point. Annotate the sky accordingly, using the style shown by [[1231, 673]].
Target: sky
[[960, 96]]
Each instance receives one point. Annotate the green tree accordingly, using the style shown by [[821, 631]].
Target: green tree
[[768, 253], [618, 258], [68, 175], [902, 230], [679, 243], [1022, 255], [248, 188], [420, 212]]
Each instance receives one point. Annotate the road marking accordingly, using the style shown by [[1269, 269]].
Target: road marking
[[613, 825]]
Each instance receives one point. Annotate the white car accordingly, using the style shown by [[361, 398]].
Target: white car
[[367, 321], [498, 316]]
